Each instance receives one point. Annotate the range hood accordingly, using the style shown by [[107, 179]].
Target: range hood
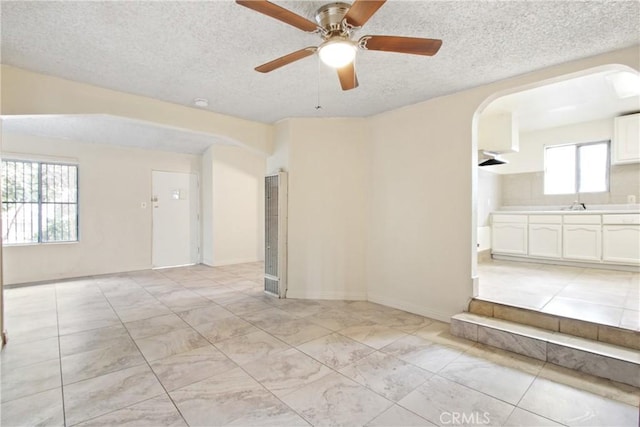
[[490, 158]]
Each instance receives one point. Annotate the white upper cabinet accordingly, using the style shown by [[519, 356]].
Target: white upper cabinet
[[626, 139]]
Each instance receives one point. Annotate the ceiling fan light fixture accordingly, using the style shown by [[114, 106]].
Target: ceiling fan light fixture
[[337, 52]]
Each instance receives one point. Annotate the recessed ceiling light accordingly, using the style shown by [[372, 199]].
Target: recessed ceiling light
[[201, 102]]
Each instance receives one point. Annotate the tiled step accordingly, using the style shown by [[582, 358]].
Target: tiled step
[[596, 358], [554, 323]]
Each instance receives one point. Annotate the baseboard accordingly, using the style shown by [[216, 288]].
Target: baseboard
[[601, 266], [337, 295], [411, 308], [232, 261]]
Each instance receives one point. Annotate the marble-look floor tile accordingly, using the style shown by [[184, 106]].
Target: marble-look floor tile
[[590, 312], [93, 363], [466, 330], [599, 386], [521, 418], [501, 382], [336, 400], [17, 355], [439, 333], [97, 396], [92, 340], [265, 318], [155, 326], [183, 299], [254, 346], [595, 364], [301, 308], [439, 400], [631, 319], [204, 315], [570, 406], [407, 322], [155, 412], [532, 347], [247, 305], [376, 336], [398, 416], [145, 310], [335, 319], [232, 398], [41, 409], [31, 379], [87, 321], [296, 331], [386, 375], [161, 346], [287, 371], [192, 366], [335, 351], [225, 328], [422, 353]]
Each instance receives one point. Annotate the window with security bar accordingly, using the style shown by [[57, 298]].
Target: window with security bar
[[39, 202]]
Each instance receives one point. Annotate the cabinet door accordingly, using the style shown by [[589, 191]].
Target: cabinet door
[[626, 139], [509, 238], [582, 242], [545, 240], [621, 244]]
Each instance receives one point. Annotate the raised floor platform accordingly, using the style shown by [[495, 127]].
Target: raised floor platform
[[554, 339]]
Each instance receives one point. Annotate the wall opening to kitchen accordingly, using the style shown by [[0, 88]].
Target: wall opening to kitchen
[[562, 248]]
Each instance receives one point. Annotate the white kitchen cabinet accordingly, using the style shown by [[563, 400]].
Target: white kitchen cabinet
[[621, 238], [545, 236], [509, 234], [582, 242], [626, 139]]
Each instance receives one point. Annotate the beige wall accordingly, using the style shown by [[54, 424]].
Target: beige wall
[[233, 205], [327, 161], [530, 158], [422, 251], [115, 232]]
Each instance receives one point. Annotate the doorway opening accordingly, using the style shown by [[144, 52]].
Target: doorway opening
[[543, 251]]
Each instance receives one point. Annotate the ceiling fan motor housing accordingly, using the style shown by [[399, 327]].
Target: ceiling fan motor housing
[[330, 18]]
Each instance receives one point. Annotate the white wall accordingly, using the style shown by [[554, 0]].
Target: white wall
[[233, 205], [115, 232], [530, 158], [489, 199], [328, 165]]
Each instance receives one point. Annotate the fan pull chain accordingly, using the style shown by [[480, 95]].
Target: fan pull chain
[[318, 106]]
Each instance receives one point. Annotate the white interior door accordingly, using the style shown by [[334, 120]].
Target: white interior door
[[175, 219]]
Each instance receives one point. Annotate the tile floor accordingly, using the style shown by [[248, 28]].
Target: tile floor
[[601, 296], [204, 346]]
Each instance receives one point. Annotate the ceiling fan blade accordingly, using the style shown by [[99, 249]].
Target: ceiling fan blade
[[287, 59], [279, 13], [347, 76], [361, 10], [412, 45]]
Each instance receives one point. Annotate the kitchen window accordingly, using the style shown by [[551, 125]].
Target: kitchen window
[[576, 168], [39, 202]]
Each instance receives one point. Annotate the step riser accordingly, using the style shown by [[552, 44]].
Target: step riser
[[539, 348], [579, 328]]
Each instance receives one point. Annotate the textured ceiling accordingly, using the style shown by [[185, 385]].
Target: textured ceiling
[[106, 129], [177, 50]]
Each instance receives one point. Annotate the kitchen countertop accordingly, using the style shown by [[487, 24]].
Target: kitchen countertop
[[567, 212]]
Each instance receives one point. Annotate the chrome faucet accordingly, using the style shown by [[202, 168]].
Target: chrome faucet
[[577, 206]]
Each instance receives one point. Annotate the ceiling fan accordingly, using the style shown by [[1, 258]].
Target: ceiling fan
[[335, 23]]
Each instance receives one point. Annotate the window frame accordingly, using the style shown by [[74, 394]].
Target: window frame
[[40, 161], [576, 188]]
